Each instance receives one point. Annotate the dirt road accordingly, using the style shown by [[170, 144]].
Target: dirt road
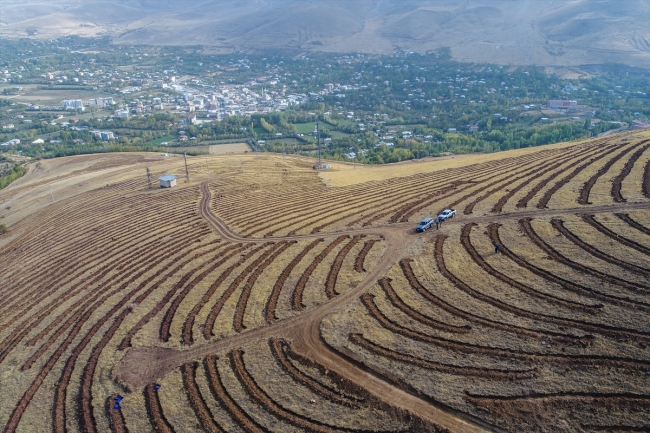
[[142, 366]]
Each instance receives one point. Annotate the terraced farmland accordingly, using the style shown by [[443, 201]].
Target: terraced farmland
[[255, 297]]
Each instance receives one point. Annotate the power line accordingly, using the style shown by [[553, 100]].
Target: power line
[[187, 172], [320, 165]]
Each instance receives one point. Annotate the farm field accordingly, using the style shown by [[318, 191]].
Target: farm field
[[260, 295], [223, 149], [161, 140], [305, 128], [32, 94], [338, 134]]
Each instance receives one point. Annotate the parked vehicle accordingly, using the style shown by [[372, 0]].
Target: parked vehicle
[[446, 214], [426, 223]]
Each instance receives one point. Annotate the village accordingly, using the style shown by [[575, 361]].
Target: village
[[372, 109]]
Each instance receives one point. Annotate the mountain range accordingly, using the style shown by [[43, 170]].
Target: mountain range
[[542, 32]]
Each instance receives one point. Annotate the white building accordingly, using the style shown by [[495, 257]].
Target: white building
[[100, 102], [73, 104], [11, 142], [167, 181], [106, 135]]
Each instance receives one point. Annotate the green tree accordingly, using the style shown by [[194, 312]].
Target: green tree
[[267, 126]]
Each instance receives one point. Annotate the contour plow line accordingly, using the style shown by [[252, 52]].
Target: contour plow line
[[227, 233], [142, 366]]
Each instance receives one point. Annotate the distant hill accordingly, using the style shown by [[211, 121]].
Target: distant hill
[[544, 32]]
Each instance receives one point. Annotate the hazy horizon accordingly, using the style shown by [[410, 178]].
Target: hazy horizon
[[549, 32]]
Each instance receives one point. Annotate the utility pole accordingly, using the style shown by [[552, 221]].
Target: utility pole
[[320, 165], [149, 177], [283, 150], [206, 164], [51, 193], [187, 172]]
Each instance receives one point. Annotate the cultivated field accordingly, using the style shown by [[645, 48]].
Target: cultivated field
[[31, 94], [263, 296], [224, 149]]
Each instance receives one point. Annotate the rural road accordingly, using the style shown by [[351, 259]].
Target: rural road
[[141, 366]]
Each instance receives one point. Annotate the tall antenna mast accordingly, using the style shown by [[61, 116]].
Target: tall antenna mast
[[187, 172], [320, 165]]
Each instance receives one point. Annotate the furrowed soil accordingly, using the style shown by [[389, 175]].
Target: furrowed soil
[[236, 301]]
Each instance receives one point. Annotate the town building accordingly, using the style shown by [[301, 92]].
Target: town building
[[562, 103], [106, 135], [11, 142], [100, 102], [73, 104]]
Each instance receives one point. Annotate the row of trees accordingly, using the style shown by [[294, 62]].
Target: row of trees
[[368, 150], [17, 172]]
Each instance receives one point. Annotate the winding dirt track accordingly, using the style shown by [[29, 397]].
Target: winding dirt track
[[142, 366]]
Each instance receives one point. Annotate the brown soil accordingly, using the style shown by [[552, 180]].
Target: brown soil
[[361, 258], [646, 180], [225, 400], [493, 230], [526, 338], [196, 399], [296, 297], [155, 411], [627, 169], [117, 422], [586, 188]]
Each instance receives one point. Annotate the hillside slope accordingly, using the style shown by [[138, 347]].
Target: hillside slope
[[548, 32]]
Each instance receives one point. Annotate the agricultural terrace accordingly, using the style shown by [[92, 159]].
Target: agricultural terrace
[[260, 295]]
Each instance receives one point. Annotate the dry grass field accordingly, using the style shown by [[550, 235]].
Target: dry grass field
[[260, 295], [224, 149]]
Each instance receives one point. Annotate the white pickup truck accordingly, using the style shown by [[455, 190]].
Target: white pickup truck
[[446, 214]]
